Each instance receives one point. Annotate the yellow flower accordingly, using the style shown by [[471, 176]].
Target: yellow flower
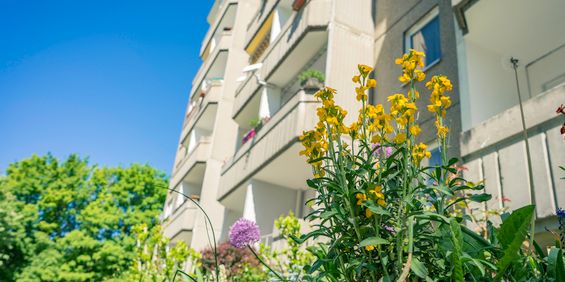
[[409, 63], [442, 131], [371, 83], [420, 75], [369, 248], [376, 139], [404, 78], [415, 130], [378, 195], [445, 101], [368, 213], [364, 69], [353, 129], [355, 79], [419, 152], [361, 93], [399, 138], [360, 198]]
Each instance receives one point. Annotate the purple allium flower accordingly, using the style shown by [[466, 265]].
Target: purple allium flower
[[560, 213], [244, 232], [389, 228], [382, 151]]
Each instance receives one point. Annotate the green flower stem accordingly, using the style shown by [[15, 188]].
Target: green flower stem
[[266, 265], [405, 188], [217, 270]]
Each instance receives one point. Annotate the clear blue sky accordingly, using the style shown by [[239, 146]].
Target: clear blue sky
[[105, 79]]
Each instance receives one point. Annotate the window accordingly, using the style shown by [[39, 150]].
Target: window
[[424, 36], [433, 161]]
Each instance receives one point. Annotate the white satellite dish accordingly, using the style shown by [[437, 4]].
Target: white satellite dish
[[252, 68]]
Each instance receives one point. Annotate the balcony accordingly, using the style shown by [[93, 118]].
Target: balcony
[[272, 155], [178, 227], [303, 35], [191, 162], [223, 21], [496, 152], [214, 66], [201, 111]]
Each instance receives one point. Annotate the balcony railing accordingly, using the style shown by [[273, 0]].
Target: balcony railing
[[181, 221], [197, 107], [226, 12], [217, 56], [199, 154], [496, 152], [274, 137], [314, 17]]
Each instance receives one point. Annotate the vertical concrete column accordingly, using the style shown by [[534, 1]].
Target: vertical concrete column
[[212, 207], [265, 202], [270, 101], [350, 42]]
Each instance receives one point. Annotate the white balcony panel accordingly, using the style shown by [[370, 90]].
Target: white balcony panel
[[498, 145], [178, 227], [198, 156]]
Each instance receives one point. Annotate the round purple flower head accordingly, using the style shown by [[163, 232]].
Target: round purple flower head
[[244, 232]]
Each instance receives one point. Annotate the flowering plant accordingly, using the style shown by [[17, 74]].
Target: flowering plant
[[386, 216]]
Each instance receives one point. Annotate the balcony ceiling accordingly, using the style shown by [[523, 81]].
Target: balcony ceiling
[[301, 54], [288, 169], [207, 119], [196, 174], [521, 28]]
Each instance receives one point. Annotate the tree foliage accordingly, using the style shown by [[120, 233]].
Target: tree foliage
[[70, 221]]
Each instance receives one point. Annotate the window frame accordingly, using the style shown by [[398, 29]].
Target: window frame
[[416, 27]]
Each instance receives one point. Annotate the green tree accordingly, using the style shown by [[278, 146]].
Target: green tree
[[71, 221]]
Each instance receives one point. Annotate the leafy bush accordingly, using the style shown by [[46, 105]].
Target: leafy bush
[[238, 264], [305, 75], [154, 260], [384, 216]]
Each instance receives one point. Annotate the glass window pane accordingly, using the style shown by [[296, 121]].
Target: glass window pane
[[427, 40]]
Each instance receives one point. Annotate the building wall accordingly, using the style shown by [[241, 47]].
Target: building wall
[[393, 19], [344, 34]]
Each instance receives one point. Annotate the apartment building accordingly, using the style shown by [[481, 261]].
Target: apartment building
[[238, 152]]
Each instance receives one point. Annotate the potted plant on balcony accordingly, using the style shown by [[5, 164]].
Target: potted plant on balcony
[[256, 125], [312, 80]]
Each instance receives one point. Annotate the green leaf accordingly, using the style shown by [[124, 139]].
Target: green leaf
[[479, 198], [456, 239], [444, 189], [419, 268], [555, 267], [511, 235], [328, 214], [373, 241], [375, 208]]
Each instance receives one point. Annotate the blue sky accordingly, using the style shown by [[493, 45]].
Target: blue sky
[[104, 79]]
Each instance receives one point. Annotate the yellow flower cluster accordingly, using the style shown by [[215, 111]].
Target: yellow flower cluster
[[375, 194], [402, 109], [364, 82], [315, 147], [410, 62], [419, 152], [439, 102]]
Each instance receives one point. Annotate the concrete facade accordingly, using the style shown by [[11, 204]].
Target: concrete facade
[[255, 50]]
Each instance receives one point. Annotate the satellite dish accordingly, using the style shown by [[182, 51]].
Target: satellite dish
[[252, 68]]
